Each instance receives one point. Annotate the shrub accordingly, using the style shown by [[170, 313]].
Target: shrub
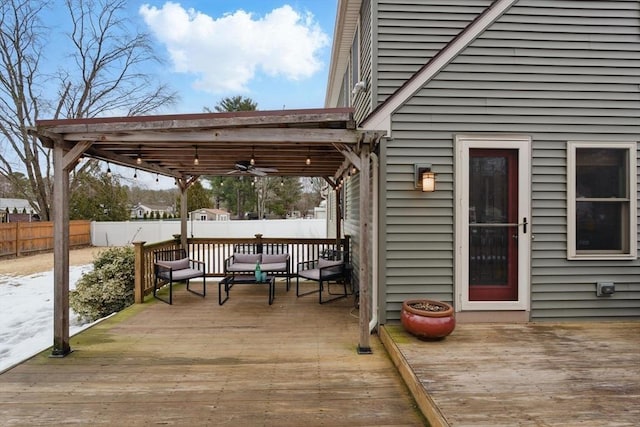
[[108, 288]]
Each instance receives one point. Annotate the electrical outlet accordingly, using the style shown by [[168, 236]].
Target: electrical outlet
[[605, 289]]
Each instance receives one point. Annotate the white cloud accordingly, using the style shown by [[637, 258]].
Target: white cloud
[[227, 52]]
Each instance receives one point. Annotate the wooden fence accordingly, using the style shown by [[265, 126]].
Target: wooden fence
[[24, 238]]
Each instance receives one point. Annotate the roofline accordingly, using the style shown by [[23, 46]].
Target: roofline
[[191, 116]]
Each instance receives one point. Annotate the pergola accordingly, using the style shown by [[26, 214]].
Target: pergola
[[169, 144]]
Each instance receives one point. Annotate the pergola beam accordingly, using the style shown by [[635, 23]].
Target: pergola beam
[[241, 136], [72, 157]]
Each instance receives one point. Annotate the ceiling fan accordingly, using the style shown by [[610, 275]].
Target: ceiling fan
[[245, 166]]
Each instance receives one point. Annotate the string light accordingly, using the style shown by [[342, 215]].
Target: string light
[[135, 175], [196, 160], [253, 159], [308, 162], [157, 180], [139, 158], [108, 170]]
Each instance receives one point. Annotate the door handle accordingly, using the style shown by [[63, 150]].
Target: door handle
[[524, 225]]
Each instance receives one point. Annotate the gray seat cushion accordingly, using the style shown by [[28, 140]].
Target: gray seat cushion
[[280, 266], [241, 267], [329, 270], [246, 258], [184, 274], [175, 265], [313, 274], [274, 258], [330, 267]]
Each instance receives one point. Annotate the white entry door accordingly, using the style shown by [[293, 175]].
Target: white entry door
[[493, 222]]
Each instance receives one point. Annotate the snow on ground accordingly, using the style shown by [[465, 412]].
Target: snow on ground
[[26, 314]]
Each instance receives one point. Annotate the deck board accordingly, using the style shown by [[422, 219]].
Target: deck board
[[536, 374], [198, 363]]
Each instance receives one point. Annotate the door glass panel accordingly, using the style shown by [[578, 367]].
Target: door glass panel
[[488, 256], [493, 229], [488, 190], [488, 184]]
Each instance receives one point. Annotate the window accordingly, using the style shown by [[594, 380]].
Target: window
[[602, 200]]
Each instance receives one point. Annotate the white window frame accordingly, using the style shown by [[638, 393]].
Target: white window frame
[[632, 193]]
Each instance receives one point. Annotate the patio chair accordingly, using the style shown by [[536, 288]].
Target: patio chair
[[172, 265], [331, 266]]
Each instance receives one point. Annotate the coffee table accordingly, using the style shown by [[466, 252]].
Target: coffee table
[[229, 281]]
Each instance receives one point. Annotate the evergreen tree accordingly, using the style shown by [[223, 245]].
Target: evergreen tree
[[236, 103], [98, 198]]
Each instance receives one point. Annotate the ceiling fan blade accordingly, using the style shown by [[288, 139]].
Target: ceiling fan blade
[[266, 169], [257, 172], [232, 172]]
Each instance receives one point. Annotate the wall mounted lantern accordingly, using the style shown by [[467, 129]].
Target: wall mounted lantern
[[424, 178]]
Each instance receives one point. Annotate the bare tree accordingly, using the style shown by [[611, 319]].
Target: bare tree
[[20, 53], [104, 74]]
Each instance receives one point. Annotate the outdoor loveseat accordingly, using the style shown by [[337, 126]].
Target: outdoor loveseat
[[272, 264]]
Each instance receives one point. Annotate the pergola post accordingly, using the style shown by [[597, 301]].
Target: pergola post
[[364, 346], [61, 345], [183, 217]]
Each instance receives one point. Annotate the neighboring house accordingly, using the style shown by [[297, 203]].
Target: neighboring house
[[17, 210], [528, 112], [140, 211], [206, 214]]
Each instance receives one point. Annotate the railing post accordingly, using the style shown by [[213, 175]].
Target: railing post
[[138, 248], [258, 243]]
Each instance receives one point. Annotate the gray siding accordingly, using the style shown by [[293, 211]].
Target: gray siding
[[554, 70], [352, 223], [409, 33], [352, 217]]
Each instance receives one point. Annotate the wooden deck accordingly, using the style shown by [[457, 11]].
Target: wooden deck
[[538, 374], [245, 363]]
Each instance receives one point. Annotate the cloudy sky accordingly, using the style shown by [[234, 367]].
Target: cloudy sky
[[274, 52]]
